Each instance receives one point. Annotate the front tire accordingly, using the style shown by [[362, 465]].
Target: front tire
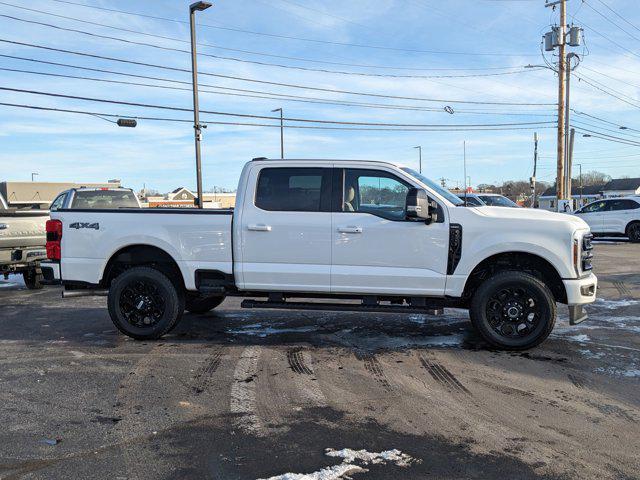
[[633, 232], [144, 304], [513, 310], [200, 305]]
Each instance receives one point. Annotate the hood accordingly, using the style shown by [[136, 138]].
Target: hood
[[535, 214]]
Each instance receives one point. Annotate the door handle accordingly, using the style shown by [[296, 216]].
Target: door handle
[[350, 229], [259, 228]]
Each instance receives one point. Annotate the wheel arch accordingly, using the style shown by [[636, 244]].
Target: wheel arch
[[140, 254], [517, 261]]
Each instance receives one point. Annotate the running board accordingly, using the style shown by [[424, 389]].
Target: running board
[[342, 307]]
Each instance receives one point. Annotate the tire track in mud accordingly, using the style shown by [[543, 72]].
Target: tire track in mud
[[576, 381], [621, 287], [443, 376], [372, 366], [204, 375], [243, 403], [297, 363]]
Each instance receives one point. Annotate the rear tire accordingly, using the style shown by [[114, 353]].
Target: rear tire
[[513, 310], [633, 232], [144, 304], [33, 279], [200, 305]]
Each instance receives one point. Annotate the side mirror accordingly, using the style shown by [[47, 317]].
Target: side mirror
[[419, 207]]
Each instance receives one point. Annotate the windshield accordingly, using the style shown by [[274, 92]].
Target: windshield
[[434, 186], [104, 199], [497, 201]]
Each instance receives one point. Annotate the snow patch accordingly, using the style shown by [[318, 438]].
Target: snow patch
[[349, 456], [350, 460], [330, 473], [261, 331], [578, 338], [615, 304]]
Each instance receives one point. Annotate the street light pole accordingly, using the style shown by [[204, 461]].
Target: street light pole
[[281, 131], [34, 174], [419, 147], [193, 8]]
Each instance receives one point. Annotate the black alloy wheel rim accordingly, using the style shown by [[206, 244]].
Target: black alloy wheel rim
[[142, 304], [634, 232], [514, 312]]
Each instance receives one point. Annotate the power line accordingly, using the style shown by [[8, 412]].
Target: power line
[[602, 119], [265, 95], [605, 91], [245, 115], [312, 127], [618, 15], [280, 84], [610, 138], [289, 37], [300, 59], [254, 62], [609, 20]]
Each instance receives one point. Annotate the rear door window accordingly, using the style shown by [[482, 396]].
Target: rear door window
[[294, 189]]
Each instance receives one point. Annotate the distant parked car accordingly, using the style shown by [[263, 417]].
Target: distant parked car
[[96, 198], [614, 216], [487, 199]]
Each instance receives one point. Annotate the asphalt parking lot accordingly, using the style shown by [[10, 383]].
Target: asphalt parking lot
[[248, 394]]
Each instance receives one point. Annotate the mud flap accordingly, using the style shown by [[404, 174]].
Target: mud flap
[[577, 314]]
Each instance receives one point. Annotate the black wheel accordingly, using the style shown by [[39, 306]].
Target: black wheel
[[144, 304], [200, 305], [513, 310], [33, 279], [633, 232]]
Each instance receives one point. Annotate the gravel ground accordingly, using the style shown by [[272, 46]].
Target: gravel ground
[[248, 394]]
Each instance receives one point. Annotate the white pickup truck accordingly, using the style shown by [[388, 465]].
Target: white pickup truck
[[336, 230]]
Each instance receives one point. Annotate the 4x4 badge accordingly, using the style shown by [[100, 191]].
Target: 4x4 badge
[[79, 225]]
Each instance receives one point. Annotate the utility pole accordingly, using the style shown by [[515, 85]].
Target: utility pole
[[419, 158], [557, 37], [464, 159], [572, 136], [568, 131], [281, 131], [198, 6], [535, 167], [33, 175], [580, 165], [562, 67]]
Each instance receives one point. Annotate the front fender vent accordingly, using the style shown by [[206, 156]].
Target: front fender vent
[[455, 247]]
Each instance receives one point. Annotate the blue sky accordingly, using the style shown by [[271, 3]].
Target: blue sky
[[479, 37]]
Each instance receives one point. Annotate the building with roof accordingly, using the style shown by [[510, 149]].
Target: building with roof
[[621, 187], [580, 196]]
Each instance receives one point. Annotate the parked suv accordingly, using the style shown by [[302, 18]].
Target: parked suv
[[614, 216], [96, 198]]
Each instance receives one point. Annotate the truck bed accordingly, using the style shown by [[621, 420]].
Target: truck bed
[[197, 239]]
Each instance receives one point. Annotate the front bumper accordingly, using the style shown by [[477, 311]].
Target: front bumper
[[580, 292], [51, 273]]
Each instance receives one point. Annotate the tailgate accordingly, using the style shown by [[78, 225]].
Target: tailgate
[[18, 231]]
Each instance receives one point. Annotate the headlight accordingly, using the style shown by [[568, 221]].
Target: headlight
[[583, 254], [587, 252]]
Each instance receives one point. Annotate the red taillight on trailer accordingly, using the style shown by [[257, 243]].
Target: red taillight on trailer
[[54, 239]]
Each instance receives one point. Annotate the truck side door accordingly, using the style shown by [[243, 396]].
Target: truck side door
[[286, 230], [376, 250]]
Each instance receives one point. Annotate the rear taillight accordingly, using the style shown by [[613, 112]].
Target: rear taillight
[[54, 239]]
